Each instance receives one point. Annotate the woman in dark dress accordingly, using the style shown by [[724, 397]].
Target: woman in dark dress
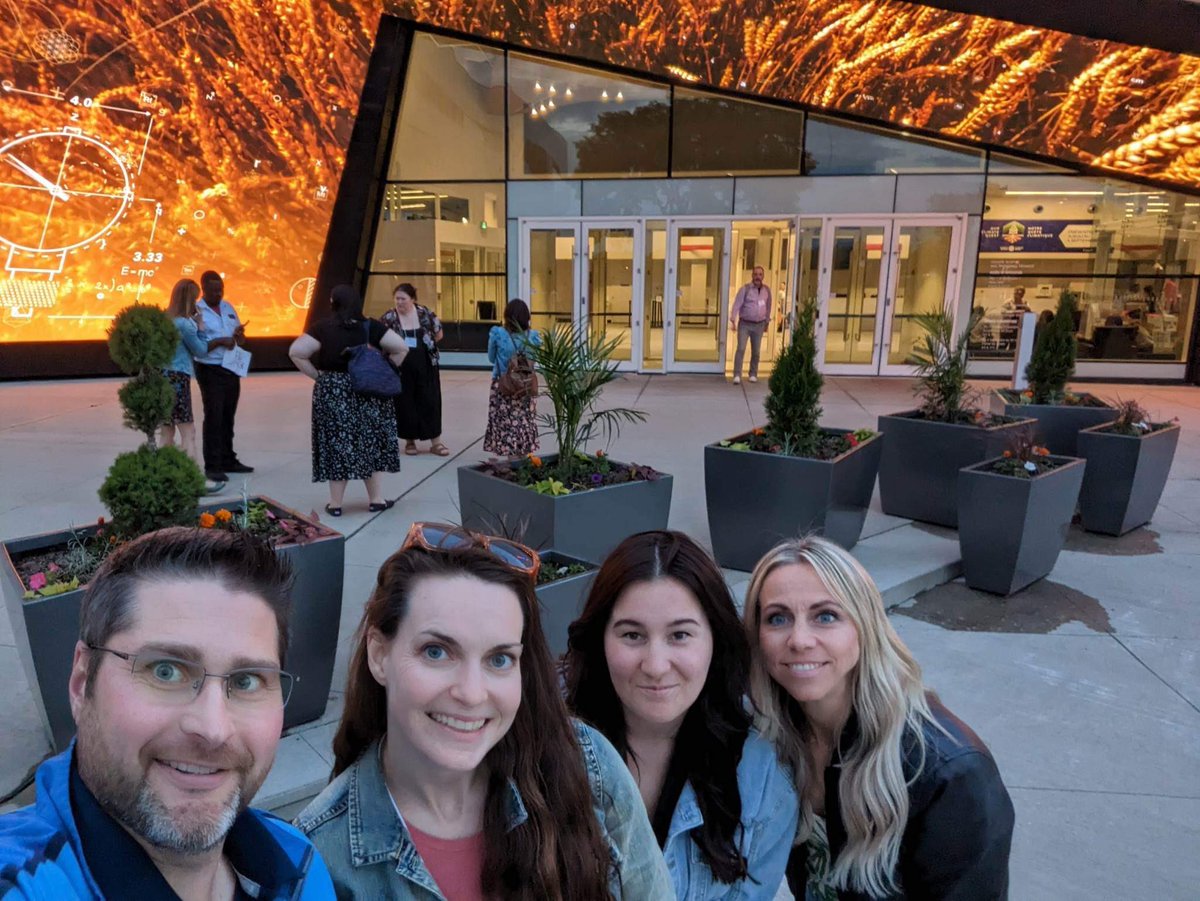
[[419, 406], [353, 436]]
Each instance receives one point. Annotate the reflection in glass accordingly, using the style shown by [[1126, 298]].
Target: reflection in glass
[[567, 120], [609, 297], [717, 135], [855, 282], [452, 115], [922, 270], [551, 277], [698, 322], [842, 149], [441, 228], [654, 292]]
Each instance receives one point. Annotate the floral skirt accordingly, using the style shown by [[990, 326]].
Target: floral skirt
[[352, 436], [510, 427], [181, 384]]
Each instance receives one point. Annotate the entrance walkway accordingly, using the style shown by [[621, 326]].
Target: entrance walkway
[[1086, 687]]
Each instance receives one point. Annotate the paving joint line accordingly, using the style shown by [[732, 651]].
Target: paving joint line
[[1152, 672], [1101, 791]]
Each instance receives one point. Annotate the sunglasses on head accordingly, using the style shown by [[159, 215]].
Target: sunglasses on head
[[440, 536]]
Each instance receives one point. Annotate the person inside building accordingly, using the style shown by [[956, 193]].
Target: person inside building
[[659, 664], [1017, 301], [898, 796], [419, 405], [178, 692], [749, 315], [457, 772]]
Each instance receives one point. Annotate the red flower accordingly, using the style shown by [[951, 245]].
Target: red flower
[[853, 441]]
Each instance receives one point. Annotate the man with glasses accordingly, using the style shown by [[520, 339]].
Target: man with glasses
[[178, 691]]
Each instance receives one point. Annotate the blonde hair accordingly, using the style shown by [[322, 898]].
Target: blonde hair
[[183, 299], [889, 701]]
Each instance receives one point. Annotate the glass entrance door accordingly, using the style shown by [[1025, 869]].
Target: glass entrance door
[[854, 269], [549, 274], [770, 244], [924, 279], [696, 301], [610, 301]]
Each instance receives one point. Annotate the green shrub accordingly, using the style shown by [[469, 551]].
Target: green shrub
[[150, 488], [1053, 361], [142, 337], [147, 399], [794, 402]]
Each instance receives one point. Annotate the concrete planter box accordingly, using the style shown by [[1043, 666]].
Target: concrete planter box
[[582, 524], [755, 499], [918, 472], [1125, 477], [1057, 425], [1011, 530], [562, 600], [46, 629]]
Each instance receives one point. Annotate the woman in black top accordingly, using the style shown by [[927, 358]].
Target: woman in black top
[[353, 436], [419, 405]]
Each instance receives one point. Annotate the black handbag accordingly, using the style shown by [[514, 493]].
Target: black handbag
[[371, 375]]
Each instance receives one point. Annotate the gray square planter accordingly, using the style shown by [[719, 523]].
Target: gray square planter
[[1057, 425], [918, 472], [1125, 477], [1011, 530], [755, 499], [46, 629], [583, 524], [562, 601]]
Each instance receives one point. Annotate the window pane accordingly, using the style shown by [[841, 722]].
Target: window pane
[[842, 149], [454, 298], [999, 162], [452, 115], [565, 120], [721, 135], [440, 228]]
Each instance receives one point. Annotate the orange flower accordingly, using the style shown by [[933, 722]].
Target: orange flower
[[224, 515], [1042, 451], [599, 454], [535, 461], [1027, 394], [207, 520], [758, 432], [1008, 453]]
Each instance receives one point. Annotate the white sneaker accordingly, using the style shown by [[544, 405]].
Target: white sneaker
[[753, 379], [737, 379]]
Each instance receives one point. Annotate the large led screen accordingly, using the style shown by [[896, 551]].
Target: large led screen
[[1127, 109], [146, 140]]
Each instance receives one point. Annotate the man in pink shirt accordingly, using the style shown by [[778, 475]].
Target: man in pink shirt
[[750, 314]]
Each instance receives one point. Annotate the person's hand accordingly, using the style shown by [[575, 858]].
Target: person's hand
[[231, 343], [240, 332]]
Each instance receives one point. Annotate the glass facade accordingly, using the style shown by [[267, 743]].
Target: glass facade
[[715, 135], [833, 148]]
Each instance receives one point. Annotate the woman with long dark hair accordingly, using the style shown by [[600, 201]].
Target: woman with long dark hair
[[511, 431], [419, 405], [659, 664], [182, 310], [900, 799], [353, 436], [457, 771]]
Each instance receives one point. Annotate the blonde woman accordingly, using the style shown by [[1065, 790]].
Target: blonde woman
[[899, 798], [192, 343]]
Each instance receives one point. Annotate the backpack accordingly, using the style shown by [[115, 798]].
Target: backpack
[[519, 380], [371, 375]]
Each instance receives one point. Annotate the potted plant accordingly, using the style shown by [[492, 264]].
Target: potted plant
[[577, 503], [1128, 461], [42, 577], [1060, 413], [793, 476], [562, 588], [1013, 515], [926, 447]]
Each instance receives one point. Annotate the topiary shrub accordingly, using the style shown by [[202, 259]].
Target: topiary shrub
[[794, 402], [141, 337], [1053, 361], [147, 399], [150, 488]]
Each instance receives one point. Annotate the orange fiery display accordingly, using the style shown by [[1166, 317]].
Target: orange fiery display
[[146, 140], [1127, 109]]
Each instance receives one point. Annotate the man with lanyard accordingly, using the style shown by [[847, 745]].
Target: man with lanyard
[[178, 695], [219, 387], [750, 314]]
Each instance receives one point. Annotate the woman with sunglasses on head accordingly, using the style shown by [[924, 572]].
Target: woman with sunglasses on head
[[658, 662], [900, 799], [458, 774]]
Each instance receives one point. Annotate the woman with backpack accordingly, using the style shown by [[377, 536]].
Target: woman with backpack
[[510, 428]]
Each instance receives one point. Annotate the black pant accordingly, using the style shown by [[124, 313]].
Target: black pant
[[219, 390]]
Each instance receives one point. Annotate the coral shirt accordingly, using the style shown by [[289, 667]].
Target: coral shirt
[[456, 864]]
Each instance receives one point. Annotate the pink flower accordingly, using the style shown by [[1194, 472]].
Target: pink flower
[[37, 581], [54, 568]]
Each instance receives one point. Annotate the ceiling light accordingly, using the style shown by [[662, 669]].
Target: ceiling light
[[1054, 193], [620, 96], [537, 87], [552, 91], [568, 94]]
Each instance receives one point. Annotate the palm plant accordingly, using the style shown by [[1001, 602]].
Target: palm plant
[[574, 368], [942, 366]]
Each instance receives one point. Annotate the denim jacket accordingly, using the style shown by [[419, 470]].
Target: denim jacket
[[770, 810], [371, 855], [502, 344]]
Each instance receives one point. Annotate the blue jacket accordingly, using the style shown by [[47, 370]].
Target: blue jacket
[[502, 344], [770, 810], [192, 343], [371, 855], [42, 859]]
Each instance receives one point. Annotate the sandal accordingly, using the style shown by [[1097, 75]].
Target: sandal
[[379, 508], [410, 448], [440, 449], [332, 510]]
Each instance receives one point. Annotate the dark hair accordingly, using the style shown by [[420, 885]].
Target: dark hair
[[234, 559], [347, 304], [408, 288], [183, 295], [708, 746], [558, 852], [516, 315]]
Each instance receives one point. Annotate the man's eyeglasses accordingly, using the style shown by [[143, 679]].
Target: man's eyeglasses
[[440, 536], [181, 680]]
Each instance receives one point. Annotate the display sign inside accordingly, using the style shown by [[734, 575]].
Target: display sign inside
[[1037, 236]]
